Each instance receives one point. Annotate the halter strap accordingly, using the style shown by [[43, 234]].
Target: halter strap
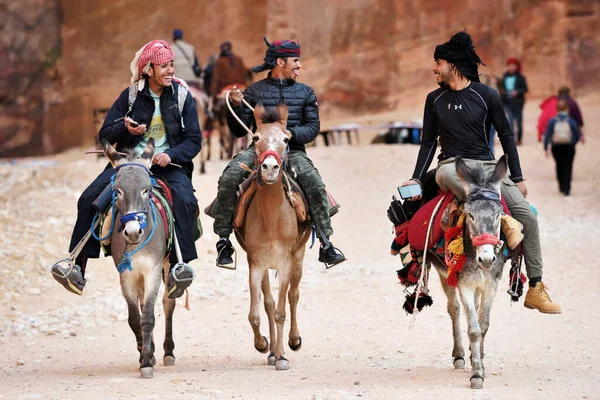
[[133, 165], [268, 153], [486, 238], [484, 194]]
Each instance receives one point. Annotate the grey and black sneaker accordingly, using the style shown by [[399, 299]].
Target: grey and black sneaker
[[330, 255], [180, 278], [225, 253], [70, 276]]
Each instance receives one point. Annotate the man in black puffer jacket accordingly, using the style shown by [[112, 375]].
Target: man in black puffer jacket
[[283, 60], [157, 105]]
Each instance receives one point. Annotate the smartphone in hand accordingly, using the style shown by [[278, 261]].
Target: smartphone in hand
[[133, 123], [407, 192]]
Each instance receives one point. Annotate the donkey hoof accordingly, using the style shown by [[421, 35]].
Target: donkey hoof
[[296, 347], [271, 359], [147, 372], [168, 361], [282, 364], [459, 363], [476, 382], [263, 349]]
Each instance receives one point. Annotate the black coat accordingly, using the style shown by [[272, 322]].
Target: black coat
[[520, 87], [184, 144], [303, 109]]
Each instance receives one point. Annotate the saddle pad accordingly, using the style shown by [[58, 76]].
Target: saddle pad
[[247, 194], [417, 229]]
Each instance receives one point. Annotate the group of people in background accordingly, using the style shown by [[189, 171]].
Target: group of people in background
[[221, 70], [560, 124]]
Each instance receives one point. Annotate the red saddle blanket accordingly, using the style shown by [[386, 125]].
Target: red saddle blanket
[[417, 228]]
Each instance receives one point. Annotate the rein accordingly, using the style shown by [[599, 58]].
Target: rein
[[139, 216], [235, 115]]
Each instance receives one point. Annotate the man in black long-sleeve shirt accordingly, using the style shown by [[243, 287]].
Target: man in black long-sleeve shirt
[[460, 113], [283, 61]]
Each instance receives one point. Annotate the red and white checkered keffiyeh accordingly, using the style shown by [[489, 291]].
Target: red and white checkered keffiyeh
[[155, 52]]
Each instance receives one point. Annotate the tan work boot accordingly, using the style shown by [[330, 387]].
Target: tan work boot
[[512, 231], [537, 298]]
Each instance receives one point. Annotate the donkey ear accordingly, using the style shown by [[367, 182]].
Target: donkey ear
[[113, 156], [463, 172], [146, 157], [500, 170], [259, 112], [282, 111]]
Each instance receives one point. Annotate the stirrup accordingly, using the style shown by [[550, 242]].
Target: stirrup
[[338, 251], [75, 286], [231, 267], [179, 284]]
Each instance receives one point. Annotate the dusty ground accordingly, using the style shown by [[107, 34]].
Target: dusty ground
[[357, 342]]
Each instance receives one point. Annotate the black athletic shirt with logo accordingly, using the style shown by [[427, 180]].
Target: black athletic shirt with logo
[[462, 120]]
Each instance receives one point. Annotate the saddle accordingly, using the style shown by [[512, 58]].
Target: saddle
[[246, 193], [414, 231]]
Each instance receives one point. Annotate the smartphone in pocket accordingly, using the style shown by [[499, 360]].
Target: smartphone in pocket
[[406, 192]]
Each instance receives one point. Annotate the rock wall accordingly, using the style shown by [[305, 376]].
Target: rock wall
[[361, 56]]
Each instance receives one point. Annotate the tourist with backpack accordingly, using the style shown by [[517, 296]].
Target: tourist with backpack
[[562, 133]]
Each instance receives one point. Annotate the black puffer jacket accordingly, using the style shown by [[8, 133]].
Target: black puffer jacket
[[184, 144], [303, 119]]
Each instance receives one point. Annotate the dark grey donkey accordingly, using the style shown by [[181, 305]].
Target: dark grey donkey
[[478, 281], [141, 272]]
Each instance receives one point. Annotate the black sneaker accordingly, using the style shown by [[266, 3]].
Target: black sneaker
[[180, 278], [330, 255], [70, 276], [225, 253]]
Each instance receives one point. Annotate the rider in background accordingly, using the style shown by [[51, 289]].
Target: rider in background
[[229, 69], [282, 60], [186, 62], [460, 114], [154, 113]]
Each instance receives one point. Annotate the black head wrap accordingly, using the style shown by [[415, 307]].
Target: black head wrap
[[275, 50], [460, 52]]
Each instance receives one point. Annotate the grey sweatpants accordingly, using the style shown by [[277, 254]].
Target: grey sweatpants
[[447, 179]]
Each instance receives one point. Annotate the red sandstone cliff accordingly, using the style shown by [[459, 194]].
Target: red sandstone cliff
[[361, 56]]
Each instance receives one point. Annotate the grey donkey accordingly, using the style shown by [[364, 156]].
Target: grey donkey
[[478, 281], [140, 283]]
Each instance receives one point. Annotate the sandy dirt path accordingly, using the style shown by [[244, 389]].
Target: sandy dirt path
[[357, 342]]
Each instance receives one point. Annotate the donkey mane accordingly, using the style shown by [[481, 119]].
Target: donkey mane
[[270, 115], [130, 154]]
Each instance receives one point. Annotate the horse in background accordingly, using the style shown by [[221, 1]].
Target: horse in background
[[228, 143], [273, 238], [139, 250]]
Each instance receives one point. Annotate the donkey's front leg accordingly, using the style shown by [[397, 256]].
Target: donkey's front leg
[[281, 363], [485, 308], [270, 310], [261, 343], [467, 295], [152, 283]]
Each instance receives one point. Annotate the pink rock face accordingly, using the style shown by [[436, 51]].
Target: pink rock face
[[361, 57]]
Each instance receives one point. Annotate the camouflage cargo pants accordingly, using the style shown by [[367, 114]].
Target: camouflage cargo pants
[[305, 174]]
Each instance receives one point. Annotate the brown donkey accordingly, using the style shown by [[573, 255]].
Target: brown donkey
[[273, 238]]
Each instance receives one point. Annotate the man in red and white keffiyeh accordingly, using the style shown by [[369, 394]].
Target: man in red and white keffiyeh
[[156, 52], [164, 113]]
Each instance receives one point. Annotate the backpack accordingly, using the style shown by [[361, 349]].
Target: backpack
[[562, 132], [182, 92]]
